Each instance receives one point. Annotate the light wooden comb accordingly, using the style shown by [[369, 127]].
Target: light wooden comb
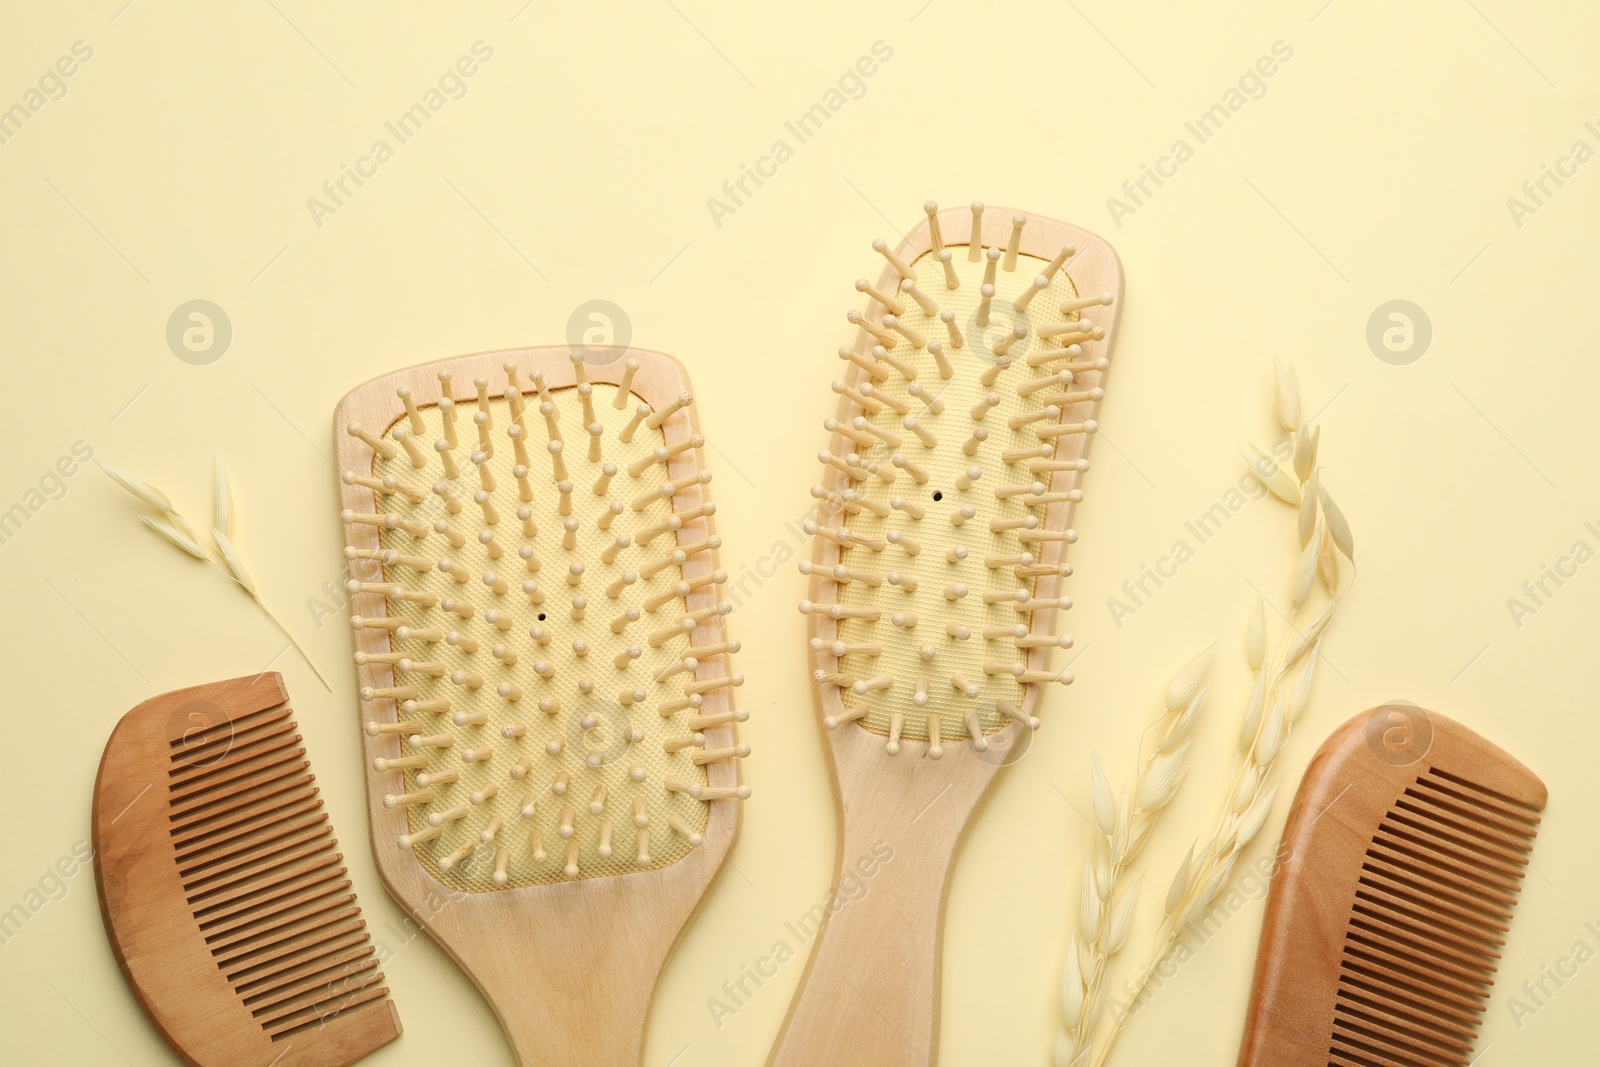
[[544, 675], [1406, 848], [221, 887], [948, 487]]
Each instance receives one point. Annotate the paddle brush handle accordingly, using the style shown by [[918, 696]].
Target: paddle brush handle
[[870, 993]]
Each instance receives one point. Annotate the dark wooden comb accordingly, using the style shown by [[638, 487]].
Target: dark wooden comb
[[221, 885], [1405, 850]]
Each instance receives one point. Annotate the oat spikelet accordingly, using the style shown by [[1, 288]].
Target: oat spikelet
[[222, 503], [1181, 881], [233, 564], [175, 536], [1337, 526], [1255, 636], [141, 489], [1308, 509], [1189, 680], [1105, 804], [1286, 388], [1272, 475], [1305, 451]]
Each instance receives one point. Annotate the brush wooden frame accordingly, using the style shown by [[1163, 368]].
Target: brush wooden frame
[[569, 967], [870, 992], [1355, 779]]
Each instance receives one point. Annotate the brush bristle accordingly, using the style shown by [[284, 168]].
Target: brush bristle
[[546, 580], [948, 482]]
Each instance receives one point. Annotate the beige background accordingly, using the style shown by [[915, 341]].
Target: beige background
[[1376, 166]]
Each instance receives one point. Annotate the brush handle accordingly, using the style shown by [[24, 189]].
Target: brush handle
[[870, 993], [570, 981]]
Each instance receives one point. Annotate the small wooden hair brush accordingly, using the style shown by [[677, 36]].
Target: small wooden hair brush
[[221, 887], [544, 676], [1406, 848], [953, 465]]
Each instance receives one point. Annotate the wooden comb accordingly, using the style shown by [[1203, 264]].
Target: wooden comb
[[1406, 847], [221, 888], [953, 466], [544, 676]]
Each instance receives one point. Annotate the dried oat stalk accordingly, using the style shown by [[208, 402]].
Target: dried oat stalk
[[1281, 692], [176, 530]]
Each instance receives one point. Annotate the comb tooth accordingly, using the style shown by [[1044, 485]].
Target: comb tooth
[[338, 930], [246, 848], [1423, 942], [1425, 814], [1436, 895], [284, 1001], [1506, 867], [250, 893], [1465, 878], [1467, 987], [1480, 811], [1406, 988], [224, 790], [254, 961], [253, 815], [264, 870], [265, 793], [1412, 1018], [1365, 1041], [307, 896]]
